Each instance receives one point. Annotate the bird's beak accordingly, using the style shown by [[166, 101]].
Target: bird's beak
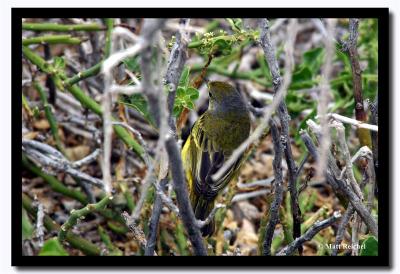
[[208, 83]]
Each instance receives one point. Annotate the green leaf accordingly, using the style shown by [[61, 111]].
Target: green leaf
[[193, 93], [132, 63], [371, 247], [313, 59], [52, 247], [139, 103], [59, 63], [180, 92], [36, 112], [177, 110], [302, 78], [27, 227], [344, 58], [222, 45], [190, 105], [236, 24], [301, 75], [184, 80]]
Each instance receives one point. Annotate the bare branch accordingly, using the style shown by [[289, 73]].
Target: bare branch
[[87, 160], [351, 121], [283, 113], [347, 158], [274, 209], [106, 104], [324, 96], [39, 222], [175, 66], [154, 220], [182, 196], [342, 228], [263, 183], [339, 186], [210, 217], [49, 158], [247, 195], [138, 234]]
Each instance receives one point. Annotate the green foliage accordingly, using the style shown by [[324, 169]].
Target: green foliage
[[305, 76], [113, 250], [220, 42], [371, 247], [368, 51], [132, 63], [52, 247], [27, 227], [307, 200], [313, 59], [236, 24], [181, 240], [139, 103], [59, 63], [185, 95]]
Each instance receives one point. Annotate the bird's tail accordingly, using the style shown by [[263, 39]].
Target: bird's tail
[[202, 208]]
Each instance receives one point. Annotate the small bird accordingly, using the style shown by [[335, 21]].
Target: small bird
[[213, 138]]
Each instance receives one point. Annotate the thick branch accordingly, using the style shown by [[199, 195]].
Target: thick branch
[[182, 196], [284, 116]]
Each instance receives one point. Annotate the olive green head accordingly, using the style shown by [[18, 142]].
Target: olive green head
[[224, 98]]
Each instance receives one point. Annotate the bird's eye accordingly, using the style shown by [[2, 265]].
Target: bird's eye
[[210, 94]]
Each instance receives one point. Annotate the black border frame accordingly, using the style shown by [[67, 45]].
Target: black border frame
[[383, 259]]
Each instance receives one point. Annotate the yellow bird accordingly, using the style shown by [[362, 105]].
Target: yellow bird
[[213, 138]]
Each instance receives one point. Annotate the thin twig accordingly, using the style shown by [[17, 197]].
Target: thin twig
[[351, 121], [247, 195], [342, 228], [374, 136], [262, 183], [39, 222], [311, 232], [210, 217], [274, 209], [324, 96], [81, 214], [351, 47], [149, 34], [139, 138], [154, 220], [87, 160], [138, 234], [106, 104], [347, 158]]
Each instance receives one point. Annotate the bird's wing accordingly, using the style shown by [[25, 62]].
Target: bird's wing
[[209, 159]]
